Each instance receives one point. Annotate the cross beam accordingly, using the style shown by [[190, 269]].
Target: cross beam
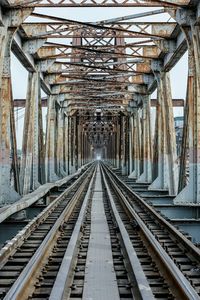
[[22, 102]]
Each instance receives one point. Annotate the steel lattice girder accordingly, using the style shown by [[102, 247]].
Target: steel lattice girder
[[96, 3], [93, 57], [88, 30]]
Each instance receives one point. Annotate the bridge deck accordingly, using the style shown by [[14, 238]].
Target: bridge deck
[[31, 198], [100, 278]]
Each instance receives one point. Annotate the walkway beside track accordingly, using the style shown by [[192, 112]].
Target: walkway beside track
[[100, 278], [31, 198]]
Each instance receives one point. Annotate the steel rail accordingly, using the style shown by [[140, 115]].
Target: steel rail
[[188, 244], [31, 198], [70, 253], [180, 280], [23, 234], [142, 283], [19, 288]]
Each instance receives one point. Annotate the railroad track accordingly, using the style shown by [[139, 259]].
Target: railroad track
[[173, 248], [80, 287], [17, 256], [102, 242]]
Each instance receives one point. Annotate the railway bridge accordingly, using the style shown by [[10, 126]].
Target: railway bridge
[[99, 162]]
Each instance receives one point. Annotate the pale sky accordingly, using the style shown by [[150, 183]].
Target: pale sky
[[19, 74]]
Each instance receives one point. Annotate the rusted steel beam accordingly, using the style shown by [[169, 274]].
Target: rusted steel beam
[[22, 102], [133, 53], [79, 27], [129, 23], [65, 32], [134, 16], [26, 59], [175, 102], [154, 102], [50, 49], [108, 3], [16, 3]]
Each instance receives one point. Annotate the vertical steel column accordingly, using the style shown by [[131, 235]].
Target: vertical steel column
[[74, 145], [60, 143], [11, 20], [113, 149], [172, 160], [130, 144], [114, 146], [112, 153], [79, 142], [86, 149], [167, 178], [50, 141], [41, 142], [14, 155], [118, 144], [82, 147], [76, 142], [110, 148], [155, 143], [66, 144], [8, 194], [121, 140], [127, 144], [146, 176], [70, 145], [161, 181], [32, 151], [123, 146], [187, 20], [136, 144], [184, 145]]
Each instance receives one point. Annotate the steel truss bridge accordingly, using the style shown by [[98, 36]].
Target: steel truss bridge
[[98, 153]]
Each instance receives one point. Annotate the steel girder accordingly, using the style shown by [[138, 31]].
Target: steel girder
[[101, 54]]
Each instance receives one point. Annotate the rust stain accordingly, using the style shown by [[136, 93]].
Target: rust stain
[[32, 30], [164, 30], [144, 67], [46, 51], [151, 51]]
